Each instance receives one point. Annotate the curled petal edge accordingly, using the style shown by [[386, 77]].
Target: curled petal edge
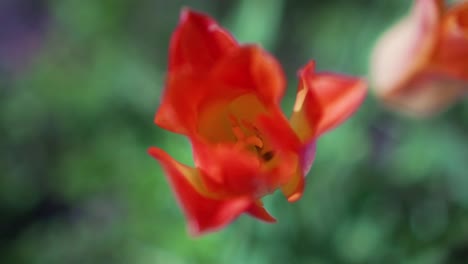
[[324, 101], [203, 214]]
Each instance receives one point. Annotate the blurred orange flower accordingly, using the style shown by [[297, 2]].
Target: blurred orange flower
[[420, 65], [225, 98]]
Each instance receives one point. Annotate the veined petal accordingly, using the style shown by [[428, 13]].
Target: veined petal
[[198, 43], [204, 214], [324, 100], [252, 69]]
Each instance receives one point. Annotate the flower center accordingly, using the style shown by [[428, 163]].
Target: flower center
[[249, 137]]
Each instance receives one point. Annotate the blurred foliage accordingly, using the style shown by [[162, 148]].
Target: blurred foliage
[[76, 116]]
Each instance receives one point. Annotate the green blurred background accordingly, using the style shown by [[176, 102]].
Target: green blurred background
[[80, 82]]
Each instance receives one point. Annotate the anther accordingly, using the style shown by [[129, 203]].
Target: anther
[[267, 156], [254, 140], [238, 133]]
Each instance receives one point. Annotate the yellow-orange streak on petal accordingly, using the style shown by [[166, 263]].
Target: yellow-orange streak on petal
[[300, 97], [192, 175], [300, 124], [294, 189], [255, 141], [324, 101]]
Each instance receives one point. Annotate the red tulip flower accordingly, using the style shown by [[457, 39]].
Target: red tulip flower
[[420, 65], [225, 97]]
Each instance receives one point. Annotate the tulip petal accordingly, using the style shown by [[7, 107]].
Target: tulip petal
[[420, 65], [258, 211], [285, 163], [294, 189], [204, 214], [308, 157], [427, 94], [198, 43], [229, 170], [252, 69], [177, 112], [196, 46], [404, 49], [232, 171], [277, 130], [451, 54], [324, 100]]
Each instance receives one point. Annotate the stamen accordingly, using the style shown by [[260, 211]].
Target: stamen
[[233, 120], [267, 156], [244, 140], [238, 133], [254, 140], [250, 127]]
